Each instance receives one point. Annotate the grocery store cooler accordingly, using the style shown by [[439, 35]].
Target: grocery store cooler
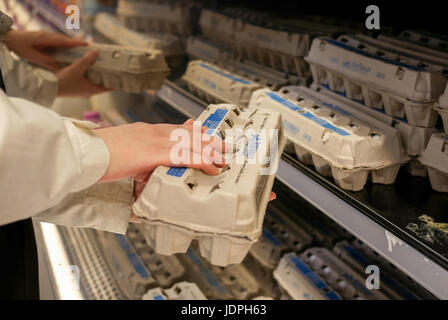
[[389, 219]]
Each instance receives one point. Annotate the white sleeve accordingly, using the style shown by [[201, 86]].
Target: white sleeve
[[45, 158], [23, 80]]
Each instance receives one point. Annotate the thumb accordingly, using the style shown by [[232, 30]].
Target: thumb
[[86, 61]]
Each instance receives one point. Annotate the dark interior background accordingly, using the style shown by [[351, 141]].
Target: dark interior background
[[428, 15]]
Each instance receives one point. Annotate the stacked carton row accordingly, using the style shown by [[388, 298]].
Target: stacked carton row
[[170, 17], [277, 49], [113, 30], [396, 77]]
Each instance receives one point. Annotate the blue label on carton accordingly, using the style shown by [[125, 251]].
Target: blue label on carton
[[227, 75], [306, 114], [211, 123], [132, 256]]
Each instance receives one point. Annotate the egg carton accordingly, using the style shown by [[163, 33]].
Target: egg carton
[[180, 291], [344, 147], [279, 235], [112, 29], [156, 16], [216, 85], [201, 274], [393, 271], [375, 47], [391, 46], [435, 159], [165, 269], [442, 108], [130, 271], [132, 70], [299, 282], [400, 89], [218, 27], [348, 283], [359, 262], [238, 280], [414, 139], [200, 48], [242, 191], [420, 41]]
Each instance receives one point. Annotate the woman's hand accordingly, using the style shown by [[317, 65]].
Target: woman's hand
[[139, 148], [31, 45]]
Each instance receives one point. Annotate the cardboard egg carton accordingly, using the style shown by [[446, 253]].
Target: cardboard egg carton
[[132, 70], [345, 281], [435, 159], [180, 291], [226, 231], [238, 280], [442, 108], [201, 48], [130, 271], [165, 269], [112, 29], [298, 281], [200, 273], [414, 139], [420, 41], [409, 52], [359, 261], [398, 88], [337, 144], [216, 84], [279, 235], [218, 27], [276, 49], [158, 16]]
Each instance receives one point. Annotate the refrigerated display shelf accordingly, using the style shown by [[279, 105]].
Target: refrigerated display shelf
[[379, 215]]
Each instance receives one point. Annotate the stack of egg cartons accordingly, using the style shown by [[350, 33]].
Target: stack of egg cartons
[[156, 16], [130, 69], [274, 48], [340, 141], [113, 30], [400, 82], [223, 212]]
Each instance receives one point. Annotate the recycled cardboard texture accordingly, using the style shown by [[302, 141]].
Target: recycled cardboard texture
[[225, 212], [338, 145], [180, 291], [155, 16], [217, 85], [400, 89], [111, 28], [276, 49], [132, 70], [133, 278], [435, 158], [358, 261], [442, 108], [279, 235], [414, 139], [414, 40], [299, 282], [200, 48], [345, 281]]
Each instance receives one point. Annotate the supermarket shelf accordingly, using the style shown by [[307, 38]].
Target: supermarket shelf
[[382, 229]]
